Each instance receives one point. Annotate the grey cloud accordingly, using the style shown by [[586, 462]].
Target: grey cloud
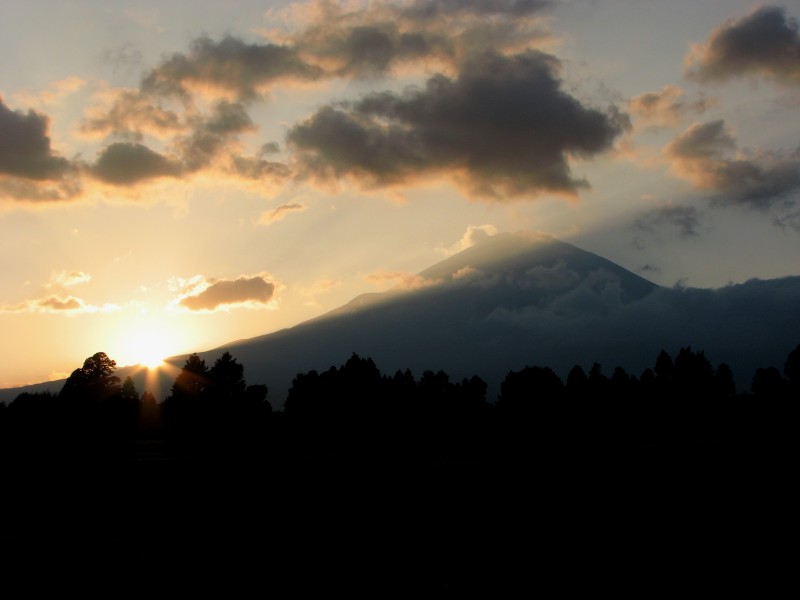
[[212, 134], [686, 219], [230, 291], [368, 49], [230, 65], [25, 147], [256, 168], [504, 122], [125, 163], [436, 8], [704, 154], [766, 42]]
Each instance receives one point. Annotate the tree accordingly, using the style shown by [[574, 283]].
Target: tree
[[94, 381], [791, 369]]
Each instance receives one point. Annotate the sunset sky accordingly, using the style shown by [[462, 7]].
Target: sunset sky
[[178, 175]]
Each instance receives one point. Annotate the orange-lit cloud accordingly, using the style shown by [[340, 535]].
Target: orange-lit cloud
[[667, 107], [200, 293], [69, 305]]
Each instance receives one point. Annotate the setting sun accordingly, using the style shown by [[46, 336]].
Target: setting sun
[[146, 343]]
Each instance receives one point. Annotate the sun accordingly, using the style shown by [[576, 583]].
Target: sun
[[146, 344]]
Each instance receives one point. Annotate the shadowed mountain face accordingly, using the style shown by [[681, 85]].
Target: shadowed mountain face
[[523, 299]]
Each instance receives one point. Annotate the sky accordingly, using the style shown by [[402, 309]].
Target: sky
[[176, 176]]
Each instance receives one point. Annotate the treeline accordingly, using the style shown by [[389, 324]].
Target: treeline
[[355, 413]]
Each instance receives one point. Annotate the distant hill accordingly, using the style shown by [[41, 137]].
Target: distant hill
[[521, 299]]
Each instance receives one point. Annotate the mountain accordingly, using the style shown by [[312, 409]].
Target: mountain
[[520, 299]]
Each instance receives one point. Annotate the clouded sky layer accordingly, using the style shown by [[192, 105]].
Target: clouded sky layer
[[184, 174]]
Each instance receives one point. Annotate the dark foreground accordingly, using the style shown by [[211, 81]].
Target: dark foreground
[[150, 522]]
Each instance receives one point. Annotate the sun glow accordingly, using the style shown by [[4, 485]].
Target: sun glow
[[146, 343]]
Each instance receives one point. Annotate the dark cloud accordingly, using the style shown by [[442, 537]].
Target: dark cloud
[[229, 65], [667, 107], [766, 42], [213, 134], [230, 291], [125, 164], [369, 49], [436, 8], [370, 42], [705, 155], [686, 219], [25, 147], [504, 124]]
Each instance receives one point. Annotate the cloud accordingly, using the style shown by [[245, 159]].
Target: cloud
[[58, 305], [400, 281], [131, 114], [667, 107], [504, 127], [366, 49], [212, 294], [228, 66], [426, 9], [686, 219], [124, 164], [25, 151], [473, 235], [214, 134], [764, 43], [279, 213], [705, 154], [348, 42], [68, 278]]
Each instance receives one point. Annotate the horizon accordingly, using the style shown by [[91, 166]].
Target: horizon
[[176, 178]]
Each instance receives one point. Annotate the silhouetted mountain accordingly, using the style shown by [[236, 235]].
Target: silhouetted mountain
[[522, 299]]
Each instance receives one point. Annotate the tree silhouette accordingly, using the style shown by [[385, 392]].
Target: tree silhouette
[[94, 381]]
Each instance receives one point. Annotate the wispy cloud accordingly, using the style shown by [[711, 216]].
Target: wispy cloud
[[280, 213]]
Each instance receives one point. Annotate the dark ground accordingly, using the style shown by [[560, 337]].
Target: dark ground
[[147, 522]]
